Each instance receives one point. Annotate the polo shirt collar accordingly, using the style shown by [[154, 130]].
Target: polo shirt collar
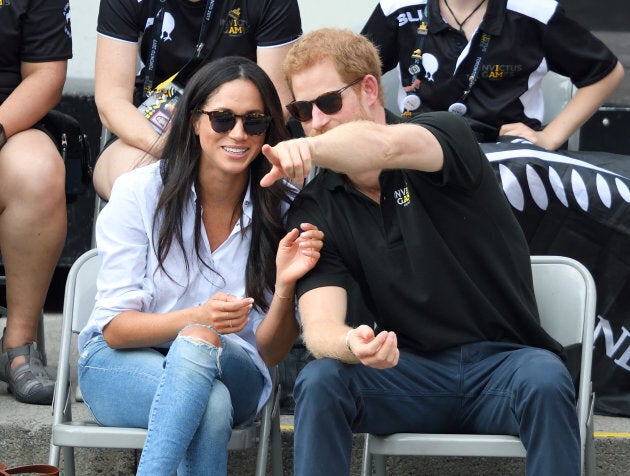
[[492, 22]]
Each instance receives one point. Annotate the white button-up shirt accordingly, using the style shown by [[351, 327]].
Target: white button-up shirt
[[129, 277]]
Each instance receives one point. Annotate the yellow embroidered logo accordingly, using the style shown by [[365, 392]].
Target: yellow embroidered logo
[[402, 196], [236, 26], [500, 71]]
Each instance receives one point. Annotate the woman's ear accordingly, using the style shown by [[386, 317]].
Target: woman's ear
[[194, 122]]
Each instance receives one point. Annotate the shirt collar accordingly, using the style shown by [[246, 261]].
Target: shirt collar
[[492, 22]]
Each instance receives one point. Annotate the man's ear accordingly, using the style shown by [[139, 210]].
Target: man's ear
[[370, 89]]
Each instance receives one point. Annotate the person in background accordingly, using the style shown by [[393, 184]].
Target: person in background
[[192, 33], [36, 45], [414, 218], [195, 293], [485, 60]]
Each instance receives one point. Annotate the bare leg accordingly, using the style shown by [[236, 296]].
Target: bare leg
[[32, 230], [115, 160]]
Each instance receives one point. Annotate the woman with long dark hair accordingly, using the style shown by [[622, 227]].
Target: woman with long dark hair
[[195, 291]]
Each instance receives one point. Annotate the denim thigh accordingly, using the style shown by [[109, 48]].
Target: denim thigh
[[118, 385]]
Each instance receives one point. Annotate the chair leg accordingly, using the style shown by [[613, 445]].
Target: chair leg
[[589, 451], [366, 467], [263, 440], [54, 454], [68, 461], [276, 445], [379, 465]]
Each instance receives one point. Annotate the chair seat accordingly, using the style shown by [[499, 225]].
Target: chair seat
[[89, 434], [448, 445]]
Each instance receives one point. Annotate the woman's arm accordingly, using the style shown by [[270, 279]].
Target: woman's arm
[[297, 254], [38, 92]]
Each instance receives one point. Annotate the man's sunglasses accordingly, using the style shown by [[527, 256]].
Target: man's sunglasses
[[328, 103], [224, 120]]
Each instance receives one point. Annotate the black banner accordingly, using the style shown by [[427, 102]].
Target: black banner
[[577, 204]]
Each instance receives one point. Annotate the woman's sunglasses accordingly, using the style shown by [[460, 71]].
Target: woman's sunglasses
[[224, 120], [328, 103]]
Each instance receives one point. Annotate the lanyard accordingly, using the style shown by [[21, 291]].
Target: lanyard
[[155, 42], [412, 101]]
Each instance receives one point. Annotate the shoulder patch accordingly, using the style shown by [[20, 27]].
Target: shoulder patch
[[540, 10], [390, 6]]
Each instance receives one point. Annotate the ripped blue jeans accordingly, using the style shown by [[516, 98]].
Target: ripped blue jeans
[[188, 400]]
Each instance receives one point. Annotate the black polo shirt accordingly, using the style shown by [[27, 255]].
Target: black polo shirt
[[34, 31], [528, 38], [441, 260], [236, 27]]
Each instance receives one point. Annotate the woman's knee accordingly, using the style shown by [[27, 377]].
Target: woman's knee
[[201, 334]]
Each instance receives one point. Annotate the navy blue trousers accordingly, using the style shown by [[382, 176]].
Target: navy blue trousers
[[486, 388]]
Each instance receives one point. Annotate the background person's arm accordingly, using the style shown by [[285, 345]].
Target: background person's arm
[[270, 59], [113, 92], [580, 108], [38, 92]]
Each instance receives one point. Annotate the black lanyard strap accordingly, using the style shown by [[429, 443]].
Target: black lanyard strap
[[155, 43], [158, 20]]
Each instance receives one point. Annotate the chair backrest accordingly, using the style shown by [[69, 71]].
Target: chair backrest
[[557, 92], [566, 299], [81, 289], [563, 296]]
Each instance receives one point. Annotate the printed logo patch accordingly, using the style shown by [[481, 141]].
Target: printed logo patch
[[402, 196], [236, 26], [500, 71]]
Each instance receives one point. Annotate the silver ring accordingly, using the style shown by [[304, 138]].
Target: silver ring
[[230, 323]]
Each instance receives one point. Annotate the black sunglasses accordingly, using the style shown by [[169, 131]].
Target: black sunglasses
[[224, 120], [328, 103]]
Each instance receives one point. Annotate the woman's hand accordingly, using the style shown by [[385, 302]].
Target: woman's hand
[[227, 313], [297, 254]]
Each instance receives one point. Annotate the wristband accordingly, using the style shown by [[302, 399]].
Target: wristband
[[286, 298], [348, 339]]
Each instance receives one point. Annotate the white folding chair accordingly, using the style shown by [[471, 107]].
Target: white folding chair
[[565, 294], [68, 433], [557, 91]]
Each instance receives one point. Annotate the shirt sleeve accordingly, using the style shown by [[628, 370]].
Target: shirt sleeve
[[46, 32], [280, 23], [330, 269], [463, 158], [383, 32], [573, 51], [119, 18], [123, 244]]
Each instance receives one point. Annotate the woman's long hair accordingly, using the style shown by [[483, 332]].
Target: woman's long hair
[[179, 169]]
